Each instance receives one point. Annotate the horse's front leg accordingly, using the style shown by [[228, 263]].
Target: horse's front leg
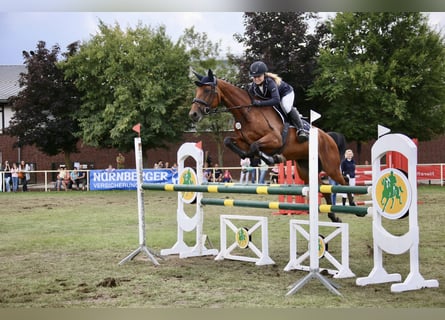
[[233, 144], [272, 142], [255, 150]]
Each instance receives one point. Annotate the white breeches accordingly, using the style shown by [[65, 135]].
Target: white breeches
[[287, 102]]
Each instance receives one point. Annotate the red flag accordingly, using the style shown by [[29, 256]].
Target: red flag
[[137, 128], [199, 145]]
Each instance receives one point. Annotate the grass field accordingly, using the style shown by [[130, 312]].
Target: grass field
[[62, 249]]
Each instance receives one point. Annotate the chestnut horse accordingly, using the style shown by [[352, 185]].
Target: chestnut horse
[[262, 132]]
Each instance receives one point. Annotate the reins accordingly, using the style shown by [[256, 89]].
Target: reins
[[226, 109]]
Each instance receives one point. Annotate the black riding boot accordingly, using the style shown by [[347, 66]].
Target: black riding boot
[[343, 201], [295, 120]]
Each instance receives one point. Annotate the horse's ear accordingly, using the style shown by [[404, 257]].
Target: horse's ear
[[198, 75], [211, 76], [198, 83]]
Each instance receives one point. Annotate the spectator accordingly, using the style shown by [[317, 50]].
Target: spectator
[[274, 172], [77, 179], [110, 168], [7, 171], [120, 161], [73, 176], [62, 178], [24, 168], [348, 170], [217, 173], [245, 165], [263, 170], [227, 176], [82, 177], [68, 180], [15, 177], [207, 174], [254, 163]]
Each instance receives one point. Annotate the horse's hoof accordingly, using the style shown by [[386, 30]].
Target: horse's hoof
[[279, 158]]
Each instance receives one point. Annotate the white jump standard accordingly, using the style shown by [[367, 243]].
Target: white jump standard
[[314, 270], [186, 223], [387, 185]]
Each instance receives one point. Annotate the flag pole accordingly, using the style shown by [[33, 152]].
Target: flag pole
[[141, 209]]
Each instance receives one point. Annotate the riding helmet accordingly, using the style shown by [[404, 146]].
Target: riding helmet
[[257, 68]]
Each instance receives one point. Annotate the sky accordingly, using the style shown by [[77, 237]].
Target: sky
[[22, 30]]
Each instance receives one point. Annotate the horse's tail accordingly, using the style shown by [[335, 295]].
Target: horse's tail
[[340, 141]]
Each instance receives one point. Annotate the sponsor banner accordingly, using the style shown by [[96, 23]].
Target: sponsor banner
[[429, 172], [424, 172], [126, 179]]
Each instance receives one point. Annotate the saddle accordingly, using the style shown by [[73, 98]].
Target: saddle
[[285, 118]]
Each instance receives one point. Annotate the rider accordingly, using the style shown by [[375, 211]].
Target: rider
[[274, 91], [347, 167]]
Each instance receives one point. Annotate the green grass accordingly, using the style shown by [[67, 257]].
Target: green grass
[[62, 249]]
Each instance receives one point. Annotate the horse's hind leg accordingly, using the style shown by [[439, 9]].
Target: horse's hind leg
[[331, 215], [350, 199]]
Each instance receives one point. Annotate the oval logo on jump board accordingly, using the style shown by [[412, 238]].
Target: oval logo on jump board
[[322, 246], [188, 176], [242, 238], [392, 193]]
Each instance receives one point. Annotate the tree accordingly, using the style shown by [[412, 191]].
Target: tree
[[284, 42], [381, 68], [204, 55], [44, 110], [127, 77]]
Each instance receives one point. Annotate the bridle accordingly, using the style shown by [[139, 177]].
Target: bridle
[[205, 106]]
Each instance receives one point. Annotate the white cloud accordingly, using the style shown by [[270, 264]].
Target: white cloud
[[437, 21]]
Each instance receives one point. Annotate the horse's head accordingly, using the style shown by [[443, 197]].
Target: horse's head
[[206, 96]]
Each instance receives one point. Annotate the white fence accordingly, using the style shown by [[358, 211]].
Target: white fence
[[44, 180]]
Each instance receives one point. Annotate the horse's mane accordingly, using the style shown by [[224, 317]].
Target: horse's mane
[[239, 87]]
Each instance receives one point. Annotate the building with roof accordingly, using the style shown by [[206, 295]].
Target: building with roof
[[9, 87]]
